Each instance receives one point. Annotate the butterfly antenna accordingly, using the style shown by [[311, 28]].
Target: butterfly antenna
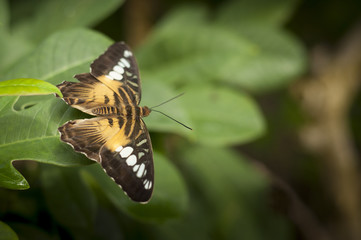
[[167, 101], [172, 119], [152, 108]]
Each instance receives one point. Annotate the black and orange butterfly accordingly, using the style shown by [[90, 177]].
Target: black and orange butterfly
[[117, 137]]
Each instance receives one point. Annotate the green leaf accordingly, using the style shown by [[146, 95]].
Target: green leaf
[[279, 59], [169, 200], [44, 18], [12, 49], [176, 109], [252, 57], [61, 56], [32, 21], [24, 230], [214, 168], [4, 16], [256, 12], [232, 193], [27, 86], [6, 233], [31, 134], [6, 104], [198, 53], [30, 131], [221, 116], [68, 198]]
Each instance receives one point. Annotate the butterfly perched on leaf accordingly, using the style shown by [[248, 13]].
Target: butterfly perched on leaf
[[116, 137]]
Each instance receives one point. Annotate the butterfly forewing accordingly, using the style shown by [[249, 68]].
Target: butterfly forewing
[[117, 138], [89, 94], [117, 68]]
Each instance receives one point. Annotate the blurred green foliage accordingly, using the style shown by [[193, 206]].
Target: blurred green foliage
[[204, 189]]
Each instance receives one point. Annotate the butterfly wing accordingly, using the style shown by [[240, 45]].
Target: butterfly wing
[[126, 158], [89, 94], [130, 163], [118, 69], [89, 135], [113, 81]]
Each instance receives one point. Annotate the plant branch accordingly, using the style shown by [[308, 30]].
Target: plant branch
[[139, 15], [286, 200], [327, 96]]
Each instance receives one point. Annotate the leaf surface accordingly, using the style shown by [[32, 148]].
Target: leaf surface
[[27, 86], [221, 116], [29, 125], [40, 20], [6, 233], [251, 56], [69, 199]]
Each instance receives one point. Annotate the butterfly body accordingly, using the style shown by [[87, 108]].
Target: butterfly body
[[116, 137]]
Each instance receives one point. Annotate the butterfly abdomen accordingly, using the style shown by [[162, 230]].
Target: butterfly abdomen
[[105, 111], [127, 110]]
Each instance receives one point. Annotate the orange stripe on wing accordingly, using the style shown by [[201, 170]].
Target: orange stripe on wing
[[112, 84], [119, 139]]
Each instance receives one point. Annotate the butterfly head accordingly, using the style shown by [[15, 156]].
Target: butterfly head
[[145, 111]]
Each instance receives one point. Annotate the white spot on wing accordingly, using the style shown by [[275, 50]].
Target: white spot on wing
[[109, 77], [141, 154], [118, 69], [126, 152], [125, 62], [131, 160], [121, 64], [135, 168], [142, 142], [127, 53], [115, 75], [148, 185], [141, 170], [118, 149], [133, 83]]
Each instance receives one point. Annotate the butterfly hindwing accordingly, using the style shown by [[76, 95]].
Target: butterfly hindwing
[[131, 164], [89, 135], [118, 68]]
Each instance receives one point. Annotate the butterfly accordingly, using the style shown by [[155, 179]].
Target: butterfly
[[116, 137]]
